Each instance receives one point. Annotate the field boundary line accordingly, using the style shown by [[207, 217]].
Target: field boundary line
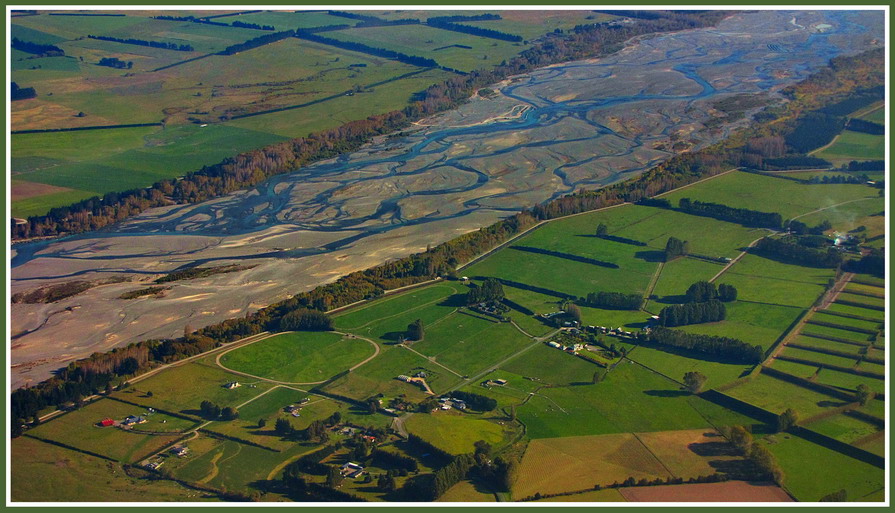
[[670, 473], [735, 260], [834, 206], [431, 359]]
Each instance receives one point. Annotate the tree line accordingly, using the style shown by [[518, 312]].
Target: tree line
[[744, 216], [693, 313], [459, 18], [613, 300], [255, 26], [791, 252], [256, 42], [722, 347], [115, 62], [867, 127], [476, 31], [491, 290], [143, 42], [423, 62], [36, 48]]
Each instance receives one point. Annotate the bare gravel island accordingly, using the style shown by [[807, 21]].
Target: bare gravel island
[[558, 129]]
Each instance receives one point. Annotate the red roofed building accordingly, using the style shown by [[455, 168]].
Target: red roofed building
[[107, 422]]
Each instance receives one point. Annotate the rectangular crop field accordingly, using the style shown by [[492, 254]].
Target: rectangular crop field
[[580, 462], [854, 146], [844, 428], [857, 310], [675, 365], [456, 432], [830, 470], [827, 376], [469, 345], [754, 323], [769, 194], [551, 365], [777, 395], [730, 491]]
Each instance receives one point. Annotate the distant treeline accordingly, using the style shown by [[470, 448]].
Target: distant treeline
[[36, 48], [476, 31], [89, 375], [360, 47], [83, 14], [115, 62], [143, 42], [791, 252], [21, 93], [243, 24], [814, 130], [256, 42], [795, 162], [354, 16], [869, 165], [191, 19], [722, 347], [459, 18], [643, 15], [744, 216]]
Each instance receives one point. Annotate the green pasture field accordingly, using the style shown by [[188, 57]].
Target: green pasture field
[[299, 357], [867, 300], [630, 399], [830, 377], [292, 20], [204, 38], [71, 27], [466, 491], [676, 365], [759, 266], [809, 174], [552, 366], [34, 35], [753, 323], [872, 367], [772, 291], [374, 312], [129, 158], [534, 24], [206, 382], [809, 329], [680, 273], [844, 428], [876, 446], [854, 146], [233, 465], [39, 205], [857, 310], [340, 110], [389, 328], [820, 358], [869, 279], [830, 470], [56, 474], [846, 321], [769, 194], [422, 40], [822, 343], [877, 115], [78, 429], [777, 395], [469, 345], [851, 215], [869, 289], [46, 64], [456, 432]]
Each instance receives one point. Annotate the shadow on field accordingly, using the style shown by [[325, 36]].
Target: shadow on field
[[567, 256], [672, 300], [666, 393], [454, 301], [653, 255], [393, 336]]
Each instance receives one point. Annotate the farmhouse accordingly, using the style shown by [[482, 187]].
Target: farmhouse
[[131, 420], [107, 422], [231, 385], [351, 470], [180, 450]]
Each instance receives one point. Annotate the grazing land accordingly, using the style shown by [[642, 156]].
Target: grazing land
[[299, 357]]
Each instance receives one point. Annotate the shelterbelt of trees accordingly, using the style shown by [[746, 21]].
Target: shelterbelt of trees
[[97, 372], [248, 169]]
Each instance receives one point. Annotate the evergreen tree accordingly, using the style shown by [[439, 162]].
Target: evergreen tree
[[415, 330], [694, 381], [787, 419]]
